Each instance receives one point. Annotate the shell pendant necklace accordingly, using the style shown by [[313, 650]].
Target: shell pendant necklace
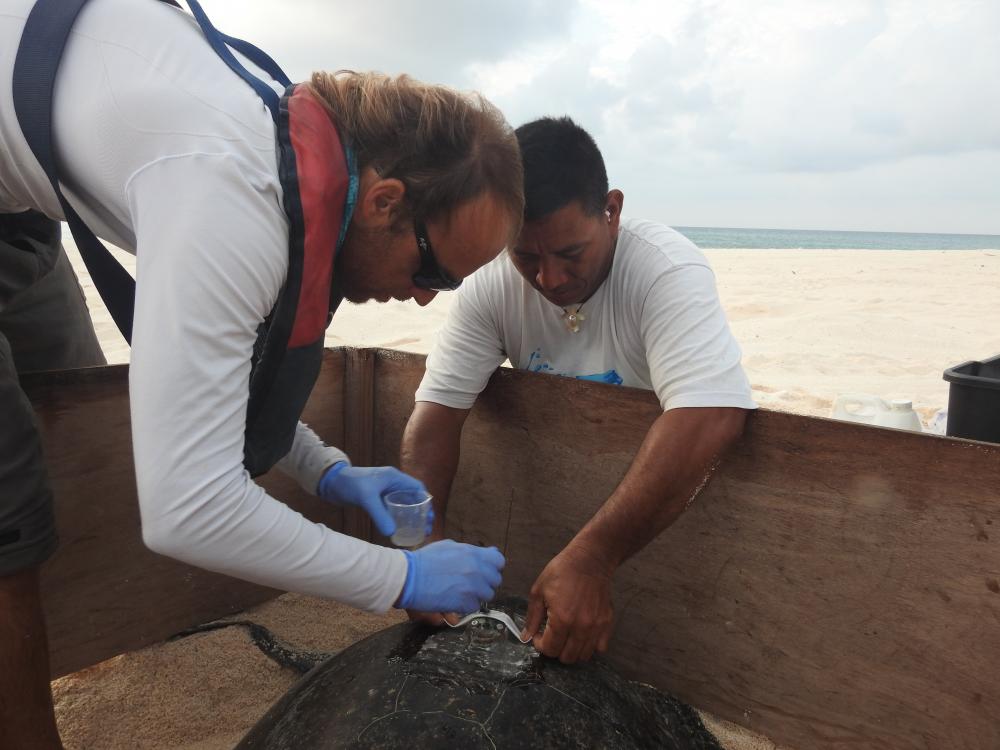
[[572, 317]]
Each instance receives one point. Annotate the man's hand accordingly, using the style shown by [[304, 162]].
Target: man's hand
[[450, 577], [575, 590], [364, 486], [672, 466], [435, 619]]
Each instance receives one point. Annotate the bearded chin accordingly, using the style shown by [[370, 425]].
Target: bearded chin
[[359, 269], [358, 298]]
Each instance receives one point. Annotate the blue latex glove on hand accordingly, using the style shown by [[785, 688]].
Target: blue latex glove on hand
[[364, 486], [448, 576]]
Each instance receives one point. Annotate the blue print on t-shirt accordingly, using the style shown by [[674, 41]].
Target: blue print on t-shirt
[[611, 376], [541, 366]]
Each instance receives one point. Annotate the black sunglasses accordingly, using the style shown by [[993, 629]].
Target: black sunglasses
[[430, 275]]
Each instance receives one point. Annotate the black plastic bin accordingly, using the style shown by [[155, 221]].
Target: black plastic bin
[[974, 400]]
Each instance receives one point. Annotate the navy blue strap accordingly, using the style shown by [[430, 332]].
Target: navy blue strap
[[42, 42], [45, 33], [217, 41], [259, 58], [256, 55]]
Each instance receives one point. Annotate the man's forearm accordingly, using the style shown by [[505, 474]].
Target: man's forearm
[[674, 462], [309, 458], [430, 451]]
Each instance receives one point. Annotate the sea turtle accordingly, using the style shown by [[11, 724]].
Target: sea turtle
[[413, 686]]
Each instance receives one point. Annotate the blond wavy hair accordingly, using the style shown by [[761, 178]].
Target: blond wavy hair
[[445, 146]]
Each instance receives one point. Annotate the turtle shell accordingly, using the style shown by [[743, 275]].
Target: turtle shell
[[413, 686]]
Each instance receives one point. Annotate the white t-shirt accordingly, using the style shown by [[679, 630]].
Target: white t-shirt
[[655, 322], [170, 155]]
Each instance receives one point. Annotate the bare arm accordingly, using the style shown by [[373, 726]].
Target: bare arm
[[430, 451], [673, 463]]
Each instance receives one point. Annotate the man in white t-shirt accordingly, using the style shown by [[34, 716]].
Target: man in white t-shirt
[[585, 294]]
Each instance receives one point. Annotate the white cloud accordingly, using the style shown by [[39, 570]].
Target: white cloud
[[808, 110], [436, 41]]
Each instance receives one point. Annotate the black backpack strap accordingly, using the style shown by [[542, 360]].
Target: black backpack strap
[[45, 33], [42, 42], [219, 41]]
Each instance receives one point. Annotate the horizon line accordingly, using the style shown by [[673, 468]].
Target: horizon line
[[845, 231]]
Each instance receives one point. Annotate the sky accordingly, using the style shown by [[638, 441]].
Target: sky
[[804, 114]]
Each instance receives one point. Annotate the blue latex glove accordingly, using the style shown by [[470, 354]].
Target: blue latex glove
[[448, 576], [364, 486]]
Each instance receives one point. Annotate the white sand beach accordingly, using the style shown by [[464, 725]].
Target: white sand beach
[[812, 324]]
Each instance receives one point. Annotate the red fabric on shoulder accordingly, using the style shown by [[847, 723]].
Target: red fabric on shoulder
[[323, 180]]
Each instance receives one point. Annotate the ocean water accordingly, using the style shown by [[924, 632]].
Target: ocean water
[[810, 239]]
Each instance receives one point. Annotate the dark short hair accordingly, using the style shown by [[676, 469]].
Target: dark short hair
[[562, 164]]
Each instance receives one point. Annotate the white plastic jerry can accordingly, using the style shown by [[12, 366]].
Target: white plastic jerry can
[[857, 407], [862, 407], [899, 416]]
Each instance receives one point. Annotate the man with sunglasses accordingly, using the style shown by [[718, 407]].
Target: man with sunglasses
[[430, 275], [250, 203], [585, 294]]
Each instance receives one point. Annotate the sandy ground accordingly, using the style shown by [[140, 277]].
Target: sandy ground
[[812, 324]]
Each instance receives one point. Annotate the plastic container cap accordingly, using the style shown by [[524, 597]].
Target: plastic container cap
[[900, 404]]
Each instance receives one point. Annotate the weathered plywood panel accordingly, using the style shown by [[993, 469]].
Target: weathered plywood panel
[[359, 401], [835, 586], [104, 592]]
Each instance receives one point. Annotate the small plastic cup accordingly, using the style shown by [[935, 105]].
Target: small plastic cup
[[408, 509]]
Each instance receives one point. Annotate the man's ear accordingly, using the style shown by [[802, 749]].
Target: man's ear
[[613, 208], [379, 200], [613, 205]]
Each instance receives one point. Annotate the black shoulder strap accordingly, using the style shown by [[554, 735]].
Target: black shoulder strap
[[45, 35], [42, 42]]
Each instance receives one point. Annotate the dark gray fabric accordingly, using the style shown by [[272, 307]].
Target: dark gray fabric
[[48, 324], [43, 326], [29, 245], [27, 524]]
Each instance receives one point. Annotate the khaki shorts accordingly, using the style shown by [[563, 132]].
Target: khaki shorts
[[44, 325]]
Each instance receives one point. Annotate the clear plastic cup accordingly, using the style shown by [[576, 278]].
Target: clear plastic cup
[[408, 509]]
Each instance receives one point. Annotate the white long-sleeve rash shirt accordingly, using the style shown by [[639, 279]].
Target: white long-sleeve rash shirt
[[168, 154]]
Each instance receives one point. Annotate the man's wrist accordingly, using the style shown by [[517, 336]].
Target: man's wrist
[[406, 592], [593, 555], [336, 468], [329, 474]]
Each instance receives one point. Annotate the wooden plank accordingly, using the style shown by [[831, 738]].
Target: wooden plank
[[358, 403], [835, 585], [104, 592]]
